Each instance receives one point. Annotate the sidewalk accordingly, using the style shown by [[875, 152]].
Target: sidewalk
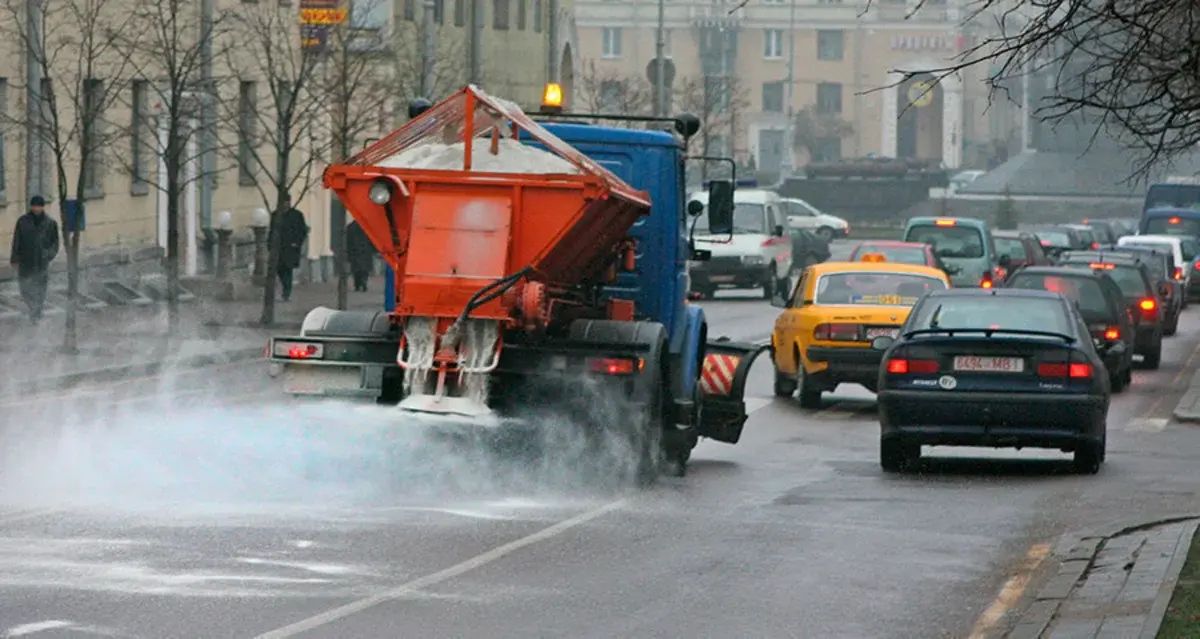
[[122, 342], [1188, 409], [1111, 586]]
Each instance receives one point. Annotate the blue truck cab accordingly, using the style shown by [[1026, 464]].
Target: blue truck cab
[[1183, 222]]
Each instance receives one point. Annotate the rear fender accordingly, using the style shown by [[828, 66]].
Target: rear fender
[[723, 388]]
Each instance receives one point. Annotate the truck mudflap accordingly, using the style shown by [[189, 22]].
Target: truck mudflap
[[723, 387]]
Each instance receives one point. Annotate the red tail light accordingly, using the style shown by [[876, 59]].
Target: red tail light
[[1112, 334], [1095, 245], [986, 282], [302, 351], [615, 366], [1178, 272], [1197, 265], [1147, 304], [837, 332], [908, 366], [1076, 371]]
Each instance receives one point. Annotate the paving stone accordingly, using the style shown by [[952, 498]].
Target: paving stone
[[1121, 627], [1075, 629]]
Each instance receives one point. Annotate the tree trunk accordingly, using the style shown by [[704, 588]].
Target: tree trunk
[[173, 195], [70, 331], [274, 243]]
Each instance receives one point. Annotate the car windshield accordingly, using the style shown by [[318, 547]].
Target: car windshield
[[1155, 262], [1054, 238], [949, 241], [1084, 291], [1164, 226], [1012, 247], [874, 289], [894, 254], [1000, 312], [747, 219]]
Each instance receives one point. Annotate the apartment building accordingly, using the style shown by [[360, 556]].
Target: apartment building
[[849, 96]]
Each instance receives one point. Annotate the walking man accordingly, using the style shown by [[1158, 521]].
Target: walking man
[[293, 230], [360, 254], [34, 246]]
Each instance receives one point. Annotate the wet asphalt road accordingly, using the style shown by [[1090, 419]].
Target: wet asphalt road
[[188, 514]]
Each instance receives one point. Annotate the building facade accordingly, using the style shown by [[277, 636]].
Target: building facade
[[858, 84]]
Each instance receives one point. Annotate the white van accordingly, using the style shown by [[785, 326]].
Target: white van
[[757, 255], [1183, 249]]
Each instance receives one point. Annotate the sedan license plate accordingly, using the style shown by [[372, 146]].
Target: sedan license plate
[[989, 364], [721, 278], [872, 333]]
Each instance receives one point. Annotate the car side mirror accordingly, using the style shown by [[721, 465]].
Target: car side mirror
[[780, 298], [1116, 347], [779, 230], [882, 343], [720, 207], [1005, 262], [701, 255], [695, 207], [952, 270]]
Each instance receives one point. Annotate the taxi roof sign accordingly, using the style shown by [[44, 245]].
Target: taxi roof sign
[[1103, 266], [873, 257]]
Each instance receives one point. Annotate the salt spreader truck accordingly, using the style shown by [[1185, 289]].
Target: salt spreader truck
[[525, 256]]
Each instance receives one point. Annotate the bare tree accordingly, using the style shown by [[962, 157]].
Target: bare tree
[[357, 87], [280, 145], [809, 128], [448, 72], [166, 50], [608, 91], [717, 102], [82, 75]]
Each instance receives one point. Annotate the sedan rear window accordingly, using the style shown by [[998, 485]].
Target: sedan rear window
[[1128, 278], [1012, 247], [874, 289], [1084, 291], [1054, 238], [1000, 312], [949, 241]]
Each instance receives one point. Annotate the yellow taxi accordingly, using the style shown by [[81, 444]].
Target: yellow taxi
[[823, 336]]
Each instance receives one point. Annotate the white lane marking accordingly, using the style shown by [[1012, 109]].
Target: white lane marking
[[411, 587], [41, 626], [1147, 425]]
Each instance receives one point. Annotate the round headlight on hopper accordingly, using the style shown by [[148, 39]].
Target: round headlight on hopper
[[381, 192]]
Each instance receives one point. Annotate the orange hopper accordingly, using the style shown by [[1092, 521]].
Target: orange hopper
[[484, 234]]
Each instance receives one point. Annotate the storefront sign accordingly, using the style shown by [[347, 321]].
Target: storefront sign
[[317, 17]]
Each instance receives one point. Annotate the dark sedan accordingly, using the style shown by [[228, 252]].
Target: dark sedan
[[996, 368]]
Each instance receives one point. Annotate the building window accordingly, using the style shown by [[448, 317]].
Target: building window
[[410, 10], [831, 45], [773, 44], [522, 18], [829, 98], [772, 97], [827, 149], [460, 13], [537, 16], [439, 11], [610, 43], [500, 15], [716, 94], [92, 137], [247, 105], [141, 138]]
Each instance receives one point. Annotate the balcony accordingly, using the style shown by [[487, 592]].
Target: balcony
[[715, 15]]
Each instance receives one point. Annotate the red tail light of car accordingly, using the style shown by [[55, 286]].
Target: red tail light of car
[[912, 366], [837, 332], [1075, 371]]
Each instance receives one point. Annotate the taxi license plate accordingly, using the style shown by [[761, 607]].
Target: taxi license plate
[[989, 364], [872, 333]]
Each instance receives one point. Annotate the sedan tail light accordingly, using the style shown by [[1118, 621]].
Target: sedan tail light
[[837, 332], [986, 282], [1076, 371], [1148, 304], [1196, 265], [1178, 273], [1112, 333], [911, 366]]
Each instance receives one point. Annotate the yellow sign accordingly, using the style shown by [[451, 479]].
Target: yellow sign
[[920, 93], [323, 16]]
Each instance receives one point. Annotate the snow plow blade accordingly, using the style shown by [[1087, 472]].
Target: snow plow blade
[[723, 388], [456, 406]]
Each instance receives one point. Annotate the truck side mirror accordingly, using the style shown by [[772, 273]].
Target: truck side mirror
[[720, 207], [695, 207]]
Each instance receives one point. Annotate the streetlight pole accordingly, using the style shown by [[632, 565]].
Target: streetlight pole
[[207, 117], [34, 110], [660, 50], [787, 164]]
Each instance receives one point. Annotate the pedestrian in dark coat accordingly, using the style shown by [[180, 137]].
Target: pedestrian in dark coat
[[293, 231], [360, 254], [34, 246]]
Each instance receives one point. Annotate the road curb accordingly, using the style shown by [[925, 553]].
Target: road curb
[[127, 371], [1077, 553], [1158, 610], [1187, 410]]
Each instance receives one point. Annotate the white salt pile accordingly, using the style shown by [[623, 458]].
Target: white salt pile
[[513, 157]]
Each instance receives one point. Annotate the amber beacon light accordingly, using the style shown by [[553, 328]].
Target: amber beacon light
[[552, 98]]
